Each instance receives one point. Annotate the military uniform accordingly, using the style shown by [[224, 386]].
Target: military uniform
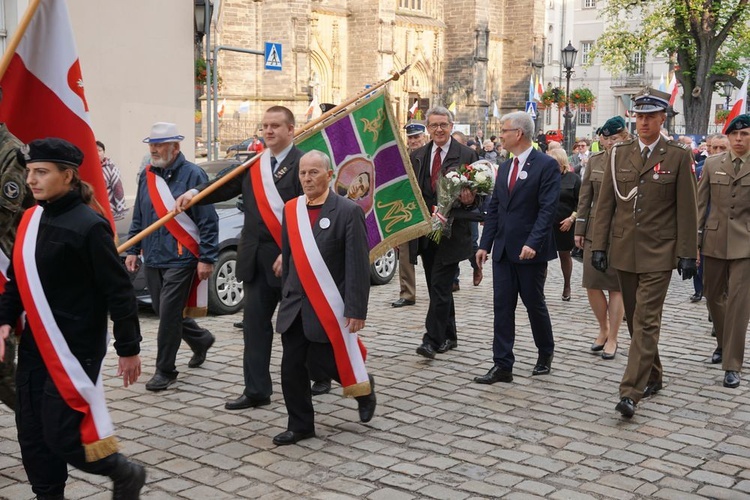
[[14, 197], [726, 251], [652, 221], [591, 186]]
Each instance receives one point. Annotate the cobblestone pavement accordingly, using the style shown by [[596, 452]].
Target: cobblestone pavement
[[436, 434]]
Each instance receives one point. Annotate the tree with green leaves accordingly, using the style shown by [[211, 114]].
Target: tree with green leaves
[[708, 40]]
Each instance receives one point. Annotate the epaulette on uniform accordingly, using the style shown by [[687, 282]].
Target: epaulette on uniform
[[679, 145], [597, 153], [625, 142]]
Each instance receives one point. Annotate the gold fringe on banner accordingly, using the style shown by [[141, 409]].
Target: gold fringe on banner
[[101, 449]]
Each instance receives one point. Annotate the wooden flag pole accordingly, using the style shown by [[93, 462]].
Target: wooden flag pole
[[18, 35], [244, 166]]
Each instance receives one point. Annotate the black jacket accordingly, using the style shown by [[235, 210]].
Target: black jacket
[[459, 246], [83, 278], [257, 249]]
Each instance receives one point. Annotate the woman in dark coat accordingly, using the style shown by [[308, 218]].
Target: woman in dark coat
[[66, 275], [570, 185]]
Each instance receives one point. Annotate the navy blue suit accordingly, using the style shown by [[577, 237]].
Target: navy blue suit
[[524, 216]]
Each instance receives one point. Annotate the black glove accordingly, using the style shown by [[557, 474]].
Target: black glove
[[599, 260], [687, 268]]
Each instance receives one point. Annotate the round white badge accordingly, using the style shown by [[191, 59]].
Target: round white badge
[[523, 175], [656, 177], [325, 223]]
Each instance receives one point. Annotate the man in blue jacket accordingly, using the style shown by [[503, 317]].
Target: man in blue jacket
[[174, 254], [518, 230]]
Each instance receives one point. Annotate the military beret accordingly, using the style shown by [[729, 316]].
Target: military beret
[[651, 101], [740, 122], [613, 126], [51, 149], [414, 129]]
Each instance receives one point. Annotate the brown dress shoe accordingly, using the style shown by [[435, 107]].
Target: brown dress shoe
[[478, 276]]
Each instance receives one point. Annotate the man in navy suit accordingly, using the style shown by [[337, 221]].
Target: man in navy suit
[[518, 229]]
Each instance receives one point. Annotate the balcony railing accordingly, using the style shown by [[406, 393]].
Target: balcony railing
[[632, 80]]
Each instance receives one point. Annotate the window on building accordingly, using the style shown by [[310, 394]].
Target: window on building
[[584, 116], [548, 117], [586, 51], [549, 53], [637, 64], [410, 4], [589, 4]]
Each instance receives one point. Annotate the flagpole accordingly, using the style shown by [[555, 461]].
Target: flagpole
[[241, 168], [18, 35]]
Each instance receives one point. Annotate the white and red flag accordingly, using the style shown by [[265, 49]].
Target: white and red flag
[[43, 89], [739, 106], [672, 89]]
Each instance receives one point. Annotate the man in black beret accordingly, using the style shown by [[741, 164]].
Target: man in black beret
[[723, 240]]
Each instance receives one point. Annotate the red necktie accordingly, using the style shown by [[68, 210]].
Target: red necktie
[[436, 164], [513, 175]]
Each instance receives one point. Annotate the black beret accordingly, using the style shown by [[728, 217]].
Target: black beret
[[414, 129], [612, 126], [51, 149], [742, 121], [651, 101]]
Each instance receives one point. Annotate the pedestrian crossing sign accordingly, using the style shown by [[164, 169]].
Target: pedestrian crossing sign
[[273, 56], [531, 109]]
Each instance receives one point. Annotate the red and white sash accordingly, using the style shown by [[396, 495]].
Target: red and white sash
[[270, 204], [187, 234], [326, 300], [4, 268], [71, 381]]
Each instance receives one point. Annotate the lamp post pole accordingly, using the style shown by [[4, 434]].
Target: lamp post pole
[[728, 87], [568, 60]]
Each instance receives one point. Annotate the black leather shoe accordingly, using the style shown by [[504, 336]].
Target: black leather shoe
[[456, 287], [367, 403], [697, 297], [291, 437], [427, 351], [731, 379], [128, 479], [239, 324], [402, 303], [159, 382], [495, 375], [716, 356], [543, 365], [626, 407], [447, 346], [597, 347], [200, 356], [610, 355], [245, 402], [321, 387], [652, 389]]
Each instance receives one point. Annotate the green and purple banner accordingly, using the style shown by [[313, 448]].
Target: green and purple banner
[[371, 168]]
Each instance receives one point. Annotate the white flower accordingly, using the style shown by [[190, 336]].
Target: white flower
[[480, 177], [451, 175], [455, 179]]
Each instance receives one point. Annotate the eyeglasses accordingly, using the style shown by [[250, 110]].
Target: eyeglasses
[[504, 130], [441, 126]]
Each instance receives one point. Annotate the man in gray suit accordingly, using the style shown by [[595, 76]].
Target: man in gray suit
[[340, 240]]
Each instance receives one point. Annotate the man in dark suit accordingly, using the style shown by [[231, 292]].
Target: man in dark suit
[[518, 229], [440, 260], [311, 341], [258, 250], [646, 222]]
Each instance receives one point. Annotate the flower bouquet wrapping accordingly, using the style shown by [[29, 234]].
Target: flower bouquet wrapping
[[479, 177]]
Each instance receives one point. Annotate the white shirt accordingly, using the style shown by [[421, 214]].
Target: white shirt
[[443, 152], [521, 162]]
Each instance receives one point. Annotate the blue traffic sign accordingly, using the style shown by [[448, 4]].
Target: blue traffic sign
[[273, 56], [531, 108]]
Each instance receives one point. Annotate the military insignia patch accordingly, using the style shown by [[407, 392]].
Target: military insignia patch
[[11, 190], [25, 150]]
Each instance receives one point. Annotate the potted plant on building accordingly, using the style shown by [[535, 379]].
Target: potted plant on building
[[553, 96], [582, 97], [721, 116]]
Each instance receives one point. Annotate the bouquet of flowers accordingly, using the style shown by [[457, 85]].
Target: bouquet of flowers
[[479, 177]]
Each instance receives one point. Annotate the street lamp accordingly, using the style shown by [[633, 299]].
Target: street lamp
[[203, 12], [568, 61], [728, 87]]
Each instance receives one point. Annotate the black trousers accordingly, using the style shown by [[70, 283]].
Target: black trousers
[[300, 358], [169, 289], [49, 430], [510, 280], [440, 322]]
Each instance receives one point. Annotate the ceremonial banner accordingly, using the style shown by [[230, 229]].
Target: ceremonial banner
[[371, 168], [739, 106], [43, 91]]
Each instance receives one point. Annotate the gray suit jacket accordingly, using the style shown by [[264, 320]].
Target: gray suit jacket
[[343, 245]]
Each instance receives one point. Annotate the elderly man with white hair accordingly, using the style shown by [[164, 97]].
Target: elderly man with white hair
[[179, 256]]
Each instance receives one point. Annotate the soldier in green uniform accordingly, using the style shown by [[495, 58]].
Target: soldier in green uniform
[[14, 197], [646, 220]]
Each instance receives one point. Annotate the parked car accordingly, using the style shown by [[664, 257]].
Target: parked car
[[225, 292], [241, 147], [554, 135]]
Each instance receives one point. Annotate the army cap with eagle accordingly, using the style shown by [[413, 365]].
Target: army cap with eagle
[[740, 122], [651, 101], [612, 126], [51, 149]]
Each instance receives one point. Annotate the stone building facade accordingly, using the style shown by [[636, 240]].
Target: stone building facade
[[471, 52]]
